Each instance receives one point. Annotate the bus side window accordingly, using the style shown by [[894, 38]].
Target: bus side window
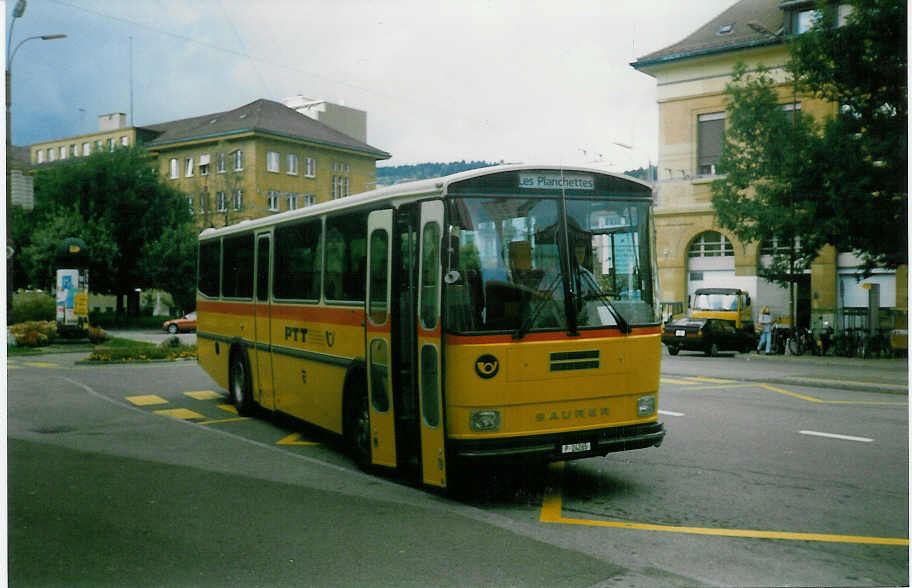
[[346, 250]]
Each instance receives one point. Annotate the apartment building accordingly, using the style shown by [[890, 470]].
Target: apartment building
[[246, 163], [692, 251]]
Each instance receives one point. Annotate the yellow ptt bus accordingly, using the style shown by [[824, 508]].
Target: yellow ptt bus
[[502, 314]]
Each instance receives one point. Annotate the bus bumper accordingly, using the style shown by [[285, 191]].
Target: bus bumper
[[560, 446]]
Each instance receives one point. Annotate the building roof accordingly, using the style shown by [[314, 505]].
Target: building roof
[[264, 116], [726, 32]]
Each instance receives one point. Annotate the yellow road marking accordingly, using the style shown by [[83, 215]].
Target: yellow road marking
[[180, 413], [203, 395], [724, 386], [551, 512], [888, 385], [822, 401], [41, 364], [228, 408], [146, 400], [712, 380], [294, 439], [675, 381], [231, 420]]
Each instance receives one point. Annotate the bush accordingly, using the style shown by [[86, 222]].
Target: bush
[[96, 335], [34, 333], [143, 353], [33, 306]]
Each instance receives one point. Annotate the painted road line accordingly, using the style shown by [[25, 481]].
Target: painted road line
[[146, 400], [219, 421], [676, 381], [671, 413], [836, 436], [295, 439], [41, 364], [552, 508], [883, 385], [180, 413], [229, 408], [710, 380], [821, 401], [203, 395]]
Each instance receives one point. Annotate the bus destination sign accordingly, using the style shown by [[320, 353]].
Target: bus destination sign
[[557, 181]]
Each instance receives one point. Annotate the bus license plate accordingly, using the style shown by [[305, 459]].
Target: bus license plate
[[679, 333], [576, 447]]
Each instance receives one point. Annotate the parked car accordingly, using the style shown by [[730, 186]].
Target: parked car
[[707, 335], [184, 324]]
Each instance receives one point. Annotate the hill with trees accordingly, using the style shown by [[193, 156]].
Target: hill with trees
[[395, 174]]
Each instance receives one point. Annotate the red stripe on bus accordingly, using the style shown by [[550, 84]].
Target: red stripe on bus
[[353, 317]]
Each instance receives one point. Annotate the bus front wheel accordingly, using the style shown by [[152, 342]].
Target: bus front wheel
[[357, 428], [239, 385]]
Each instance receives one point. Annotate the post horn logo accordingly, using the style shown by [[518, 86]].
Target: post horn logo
[[487, 366]]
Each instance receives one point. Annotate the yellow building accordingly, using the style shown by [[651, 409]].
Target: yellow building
[[246, 163], [692, 250]]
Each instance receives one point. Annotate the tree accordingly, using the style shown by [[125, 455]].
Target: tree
[[134, 224], [842, 180]]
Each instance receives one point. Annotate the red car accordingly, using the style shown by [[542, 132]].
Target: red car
[[185, 324]]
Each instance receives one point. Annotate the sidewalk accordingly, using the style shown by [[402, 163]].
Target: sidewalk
[[890, 376]]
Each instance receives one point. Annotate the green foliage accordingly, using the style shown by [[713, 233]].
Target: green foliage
[[842, 180], [115, 202], [420, 171], [121, 350], [33, 306], [96, 335], [34, 333]]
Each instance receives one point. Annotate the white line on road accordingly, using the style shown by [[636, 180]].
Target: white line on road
[[835, 436], [670, 413]]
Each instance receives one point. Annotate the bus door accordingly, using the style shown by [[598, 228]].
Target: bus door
[[378, 343], [264, 392], [430, 384]]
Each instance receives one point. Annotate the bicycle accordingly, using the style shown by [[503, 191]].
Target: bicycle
[[803, 340]]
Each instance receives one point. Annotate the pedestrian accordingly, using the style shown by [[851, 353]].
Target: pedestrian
[[766, 323]]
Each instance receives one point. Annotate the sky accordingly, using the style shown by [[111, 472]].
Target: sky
[[494, 80]]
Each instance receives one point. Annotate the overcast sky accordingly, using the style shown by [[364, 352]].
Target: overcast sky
[[519, 81]]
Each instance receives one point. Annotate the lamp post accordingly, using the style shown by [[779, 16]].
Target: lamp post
[[18, 11], [759, 27]]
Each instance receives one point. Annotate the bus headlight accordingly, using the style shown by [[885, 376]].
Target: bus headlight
[[484, 420], [646, 405]]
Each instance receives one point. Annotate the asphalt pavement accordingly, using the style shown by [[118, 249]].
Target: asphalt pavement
[[844, 373]]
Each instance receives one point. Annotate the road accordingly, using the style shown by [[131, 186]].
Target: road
[[142, 475]]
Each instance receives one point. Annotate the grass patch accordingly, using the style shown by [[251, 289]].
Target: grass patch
[[117, 349]]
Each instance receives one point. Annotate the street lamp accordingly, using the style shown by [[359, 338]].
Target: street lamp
[[18, 11]]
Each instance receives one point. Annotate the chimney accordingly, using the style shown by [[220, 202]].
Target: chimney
[[112, 122]]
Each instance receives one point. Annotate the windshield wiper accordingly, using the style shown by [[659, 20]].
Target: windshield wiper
[[530, 318], [600, 294]]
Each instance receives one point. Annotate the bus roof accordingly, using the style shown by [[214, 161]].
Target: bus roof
[[417, 188]]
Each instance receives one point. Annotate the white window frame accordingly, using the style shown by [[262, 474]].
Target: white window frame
[[188, 167], [204, 164], [272, 161], [173, 168], [238, 198], [86, 149], [238, 157], [221, 202], [308, 200], [220, 163], [110, 142], [291, 201], [124, 141], [291, 164], [40, 155], [272, 200], [310, 167]]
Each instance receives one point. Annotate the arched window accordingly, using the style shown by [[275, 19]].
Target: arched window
[[711, 244]]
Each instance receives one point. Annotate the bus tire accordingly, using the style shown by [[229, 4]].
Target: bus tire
[[239, 386], [357, 425]]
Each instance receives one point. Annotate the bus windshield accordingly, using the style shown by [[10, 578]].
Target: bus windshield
[[511, 268]]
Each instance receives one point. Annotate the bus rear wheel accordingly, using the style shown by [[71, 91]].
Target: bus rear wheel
[[239, 385]]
